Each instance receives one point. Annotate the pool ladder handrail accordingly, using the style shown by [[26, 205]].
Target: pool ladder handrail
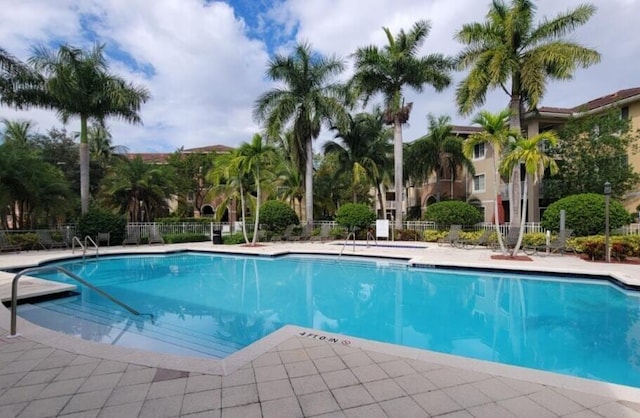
[[353, 234], [84, 246], [14, 292]]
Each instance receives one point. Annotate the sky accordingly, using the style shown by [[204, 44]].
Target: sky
[[204, 62]]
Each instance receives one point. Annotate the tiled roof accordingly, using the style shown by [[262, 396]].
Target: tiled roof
[[465, 130], [608, 99], [603, 101], [161, 158]]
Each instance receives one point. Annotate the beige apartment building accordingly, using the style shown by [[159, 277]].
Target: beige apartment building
[[480, 187]]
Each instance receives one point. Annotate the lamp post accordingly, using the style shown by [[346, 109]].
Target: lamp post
[[607, 196]]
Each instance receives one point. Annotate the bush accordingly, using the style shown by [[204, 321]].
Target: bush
[[355, 215], [585, 214], [407, 235], [338, 233], [431, 235], [97, 220], [234, 239], [187, 237], [452, 212], [275, 216], [621, 247]]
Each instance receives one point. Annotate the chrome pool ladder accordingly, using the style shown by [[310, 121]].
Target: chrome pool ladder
[[87, 240], [14, 292]]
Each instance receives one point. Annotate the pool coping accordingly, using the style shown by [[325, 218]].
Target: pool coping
[[242, 357]]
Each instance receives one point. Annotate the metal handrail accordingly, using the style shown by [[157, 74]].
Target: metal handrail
[[73, 245], [351, 234], [88, 238], [14, 292]]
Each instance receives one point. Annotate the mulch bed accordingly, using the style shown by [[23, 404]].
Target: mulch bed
[[512, 258]]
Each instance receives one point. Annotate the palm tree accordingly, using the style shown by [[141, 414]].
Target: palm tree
[[508, 51], [361, 150], [78, 84], [18, 131], [255, 158], [100, 147], [308, 98], [138, 189], [388, 70], [19, 85], [497, 134], [440, 151], [229, 182], [529, 152]]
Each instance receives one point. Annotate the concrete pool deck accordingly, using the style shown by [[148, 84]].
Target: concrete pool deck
[[295, 371]]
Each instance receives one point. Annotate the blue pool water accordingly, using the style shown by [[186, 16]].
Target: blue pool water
[[212, 305]]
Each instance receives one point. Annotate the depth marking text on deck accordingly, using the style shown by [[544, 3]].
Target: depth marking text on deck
[[323, 338]]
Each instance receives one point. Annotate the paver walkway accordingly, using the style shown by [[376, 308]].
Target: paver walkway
[[299, 378]]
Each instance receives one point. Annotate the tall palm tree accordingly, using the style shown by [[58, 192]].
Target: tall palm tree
[[100, 146], [78, 84], [388, 70], [440, 151], [497, 135], [255, 158], [308, 98], [529, 153], [509, 51], [361, 150]]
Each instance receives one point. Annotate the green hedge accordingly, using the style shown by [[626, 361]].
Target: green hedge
[[275, 216], [452, 212], [356, 215], [585, 214], [97, 220]]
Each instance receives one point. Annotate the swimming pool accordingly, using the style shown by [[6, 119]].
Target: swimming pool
[[211, 305]]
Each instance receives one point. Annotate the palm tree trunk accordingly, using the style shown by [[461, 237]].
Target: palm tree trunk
[[496, 211], [438, 187], [524, 217], [257, 214], [308, 182], [397, 162], [84, 165], [243, 211], [382, 205], [515, 193]]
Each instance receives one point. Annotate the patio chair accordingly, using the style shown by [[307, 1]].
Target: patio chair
[[289, 235], [556, 245], [132, 238], [46, 241], [103, 237], [5, 245], [452, 237], [155, 238], [484, 239], [325, 233]]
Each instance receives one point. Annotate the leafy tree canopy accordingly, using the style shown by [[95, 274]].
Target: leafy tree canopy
[[591, 151]]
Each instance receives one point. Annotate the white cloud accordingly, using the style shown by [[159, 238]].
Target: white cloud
[[206, 72]]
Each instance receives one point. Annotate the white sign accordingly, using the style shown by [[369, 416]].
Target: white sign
[[382, 228]]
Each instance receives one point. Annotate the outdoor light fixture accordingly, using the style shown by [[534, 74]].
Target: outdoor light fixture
[[607, 196]]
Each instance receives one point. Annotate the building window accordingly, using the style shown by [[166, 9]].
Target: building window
[[479, 151], [190, 197], [479, 183], [624, 113]]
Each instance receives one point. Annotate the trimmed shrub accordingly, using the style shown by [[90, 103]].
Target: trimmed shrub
[[431, 235], [585, 214], [187, 237], [407, 235], [275, 216], [355, 215], [97, 220], [234, 239], [452, 212]]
